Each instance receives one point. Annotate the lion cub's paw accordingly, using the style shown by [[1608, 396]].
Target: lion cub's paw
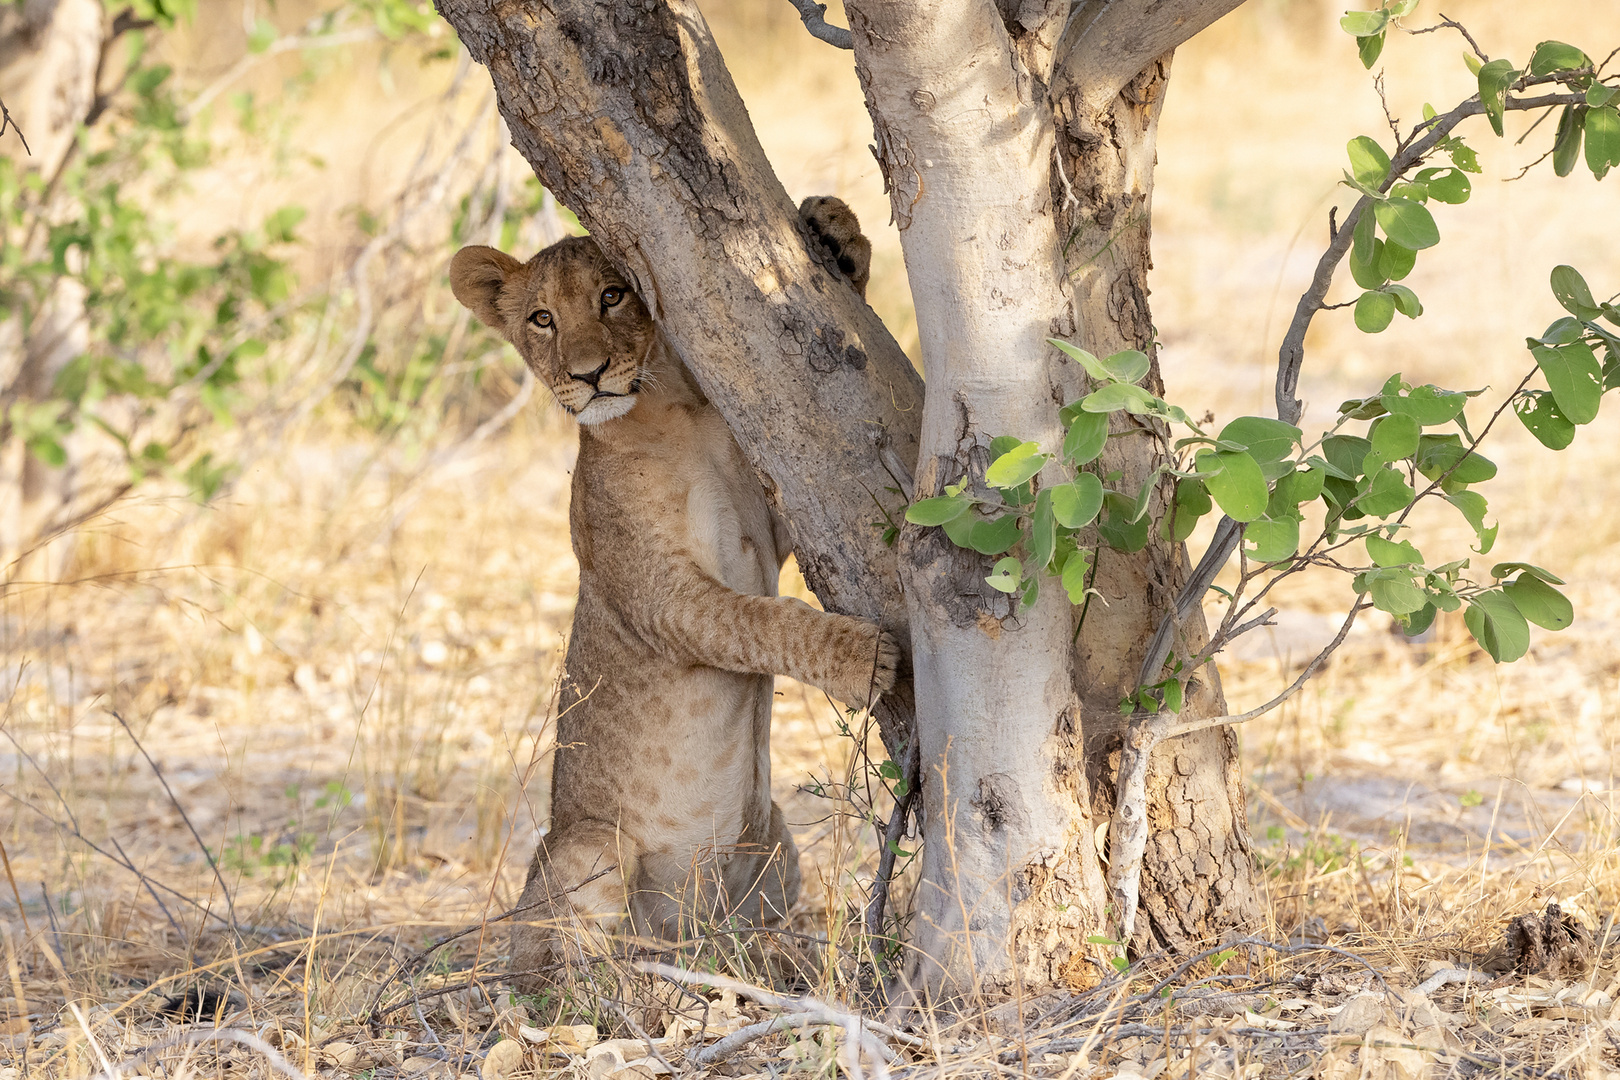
[[834, 225], [870, 672]]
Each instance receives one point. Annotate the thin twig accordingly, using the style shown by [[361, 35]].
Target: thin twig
[[814, 17], [230, 904], [7, 122], [1447, 23], [892, 833]]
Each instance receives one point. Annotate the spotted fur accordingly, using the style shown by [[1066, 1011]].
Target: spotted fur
[[661, 807]]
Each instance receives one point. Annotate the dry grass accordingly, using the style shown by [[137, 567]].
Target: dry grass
[[344, 672]]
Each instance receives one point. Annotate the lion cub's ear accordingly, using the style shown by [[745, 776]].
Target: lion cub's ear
[[477, 276]]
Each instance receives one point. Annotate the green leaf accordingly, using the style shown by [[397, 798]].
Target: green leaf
[[1539, 602], [1394, 591], [1115, 396], [1273, 540], [1390, 553], [1006, 575], [937, 511], [1093, 366], [1043, 530], [1364, 23], [1237, 484], [1116, 527], [1191, 502], [1567, 144], [1396, 437], [1472, 505], [1406, 301], [1599, 94], [1560, 331], [1015, 466], [1407, 223], [1394, 262], [1128, 366], [1474, 66], [1374, 312], [1075, 505], [1570, 290], [1447, 185], [1074, 576], [1498, 626], [1367, 408], [1551, 56], [1416, 622], [1445, 455], [1086, 437], [1428, 405], [1344, 455], [1575, 378], [1368, 162], [1301, 486], [1602, 139], [960, 530], [1385, 492], [1264, 438], [1369, 274], [1494, 80], [1365, 237], [1172, 695], [1538, 410], [1369, 49], [1504, 569], [995, 536], [262, 36]]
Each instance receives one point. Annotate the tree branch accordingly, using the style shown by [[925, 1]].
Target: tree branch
[[814, 16], [1107, 43]]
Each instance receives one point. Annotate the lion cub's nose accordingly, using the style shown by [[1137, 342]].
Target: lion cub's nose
[[591, 378]]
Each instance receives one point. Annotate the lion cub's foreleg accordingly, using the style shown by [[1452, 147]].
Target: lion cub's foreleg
[[695, 618]]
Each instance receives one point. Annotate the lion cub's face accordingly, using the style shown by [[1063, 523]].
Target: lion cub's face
[[572, 318]]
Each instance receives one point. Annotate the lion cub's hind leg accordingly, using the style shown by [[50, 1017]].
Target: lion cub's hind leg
[[832, 224], [572, 901]]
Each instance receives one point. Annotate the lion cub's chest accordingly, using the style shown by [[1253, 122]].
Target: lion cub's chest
[[727, 520]]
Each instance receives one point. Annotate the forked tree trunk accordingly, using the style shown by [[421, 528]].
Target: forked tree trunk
[[627, 114]]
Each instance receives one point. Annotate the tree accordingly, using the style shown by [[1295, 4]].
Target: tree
[[1017, 147]]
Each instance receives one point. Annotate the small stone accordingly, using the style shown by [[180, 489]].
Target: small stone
[[1358, 1015]]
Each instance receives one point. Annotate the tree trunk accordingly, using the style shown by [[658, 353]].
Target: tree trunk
[[1198, 875], [49, 53], [1011, 885], [629, 117]]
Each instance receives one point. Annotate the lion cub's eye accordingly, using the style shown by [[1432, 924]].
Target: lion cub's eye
[[541, 319], [611, 297]]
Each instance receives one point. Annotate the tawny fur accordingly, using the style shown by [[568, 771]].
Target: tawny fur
[[661, 795]]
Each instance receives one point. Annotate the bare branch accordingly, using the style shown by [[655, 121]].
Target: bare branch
[[1107, 43], [815, 21], [892, 833], [1446, 23], [7, 122]]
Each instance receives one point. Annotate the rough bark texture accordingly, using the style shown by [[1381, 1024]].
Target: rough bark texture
[[1011, 886], [1198, 876], [628, 115]]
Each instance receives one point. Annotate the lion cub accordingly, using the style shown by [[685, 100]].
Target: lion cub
[[661, 790]]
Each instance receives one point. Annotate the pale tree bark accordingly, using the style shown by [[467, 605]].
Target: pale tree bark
[[1011, 886], [626, 113], [50, 51]]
